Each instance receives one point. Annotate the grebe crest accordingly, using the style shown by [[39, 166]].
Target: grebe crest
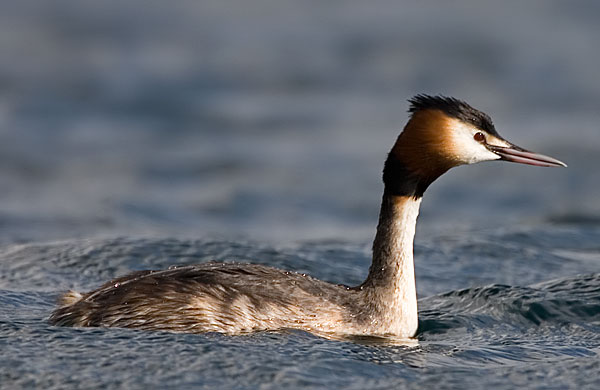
[[442, 133]]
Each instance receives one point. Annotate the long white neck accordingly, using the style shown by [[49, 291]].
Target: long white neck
[[390, 288]]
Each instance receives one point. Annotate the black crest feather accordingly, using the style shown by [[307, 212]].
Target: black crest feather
[[454, 108]]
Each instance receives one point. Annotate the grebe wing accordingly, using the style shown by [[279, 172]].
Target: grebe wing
[[228, 279]]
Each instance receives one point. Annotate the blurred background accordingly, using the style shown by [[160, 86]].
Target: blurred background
[[270, 120]]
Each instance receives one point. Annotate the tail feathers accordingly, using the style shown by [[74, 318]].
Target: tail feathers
[[69, 298], [66, 314]]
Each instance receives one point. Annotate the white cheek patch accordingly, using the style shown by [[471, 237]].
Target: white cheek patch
[[466, 149]]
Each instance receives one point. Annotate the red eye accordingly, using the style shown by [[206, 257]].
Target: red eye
[[479, 137]]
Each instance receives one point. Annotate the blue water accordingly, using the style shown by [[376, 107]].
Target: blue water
[[137, 136]]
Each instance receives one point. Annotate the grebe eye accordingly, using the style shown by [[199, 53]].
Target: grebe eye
[[479, 137]]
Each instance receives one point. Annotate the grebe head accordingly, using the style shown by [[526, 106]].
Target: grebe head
[[444, 132]]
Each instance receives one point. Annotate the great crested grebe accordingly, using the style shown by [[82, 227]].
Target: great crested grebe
[[442, 133]]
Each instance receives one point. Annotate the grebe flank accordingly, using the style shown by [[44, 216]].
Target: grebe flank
[[442, 133]]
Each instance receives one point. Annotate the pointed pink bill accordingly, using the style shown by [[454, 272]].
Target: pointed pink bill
[[515, 154]]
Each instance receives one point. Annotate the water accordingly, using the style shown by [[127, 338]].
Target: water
[[137, 135], [519, 332]]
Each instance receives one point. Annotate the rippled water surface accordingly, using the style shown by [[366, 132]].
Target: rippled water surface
[[137, 136], [524, 332]]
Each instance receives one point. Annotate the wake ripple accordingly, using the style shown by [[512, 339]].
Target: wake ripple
[[561, 302]]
